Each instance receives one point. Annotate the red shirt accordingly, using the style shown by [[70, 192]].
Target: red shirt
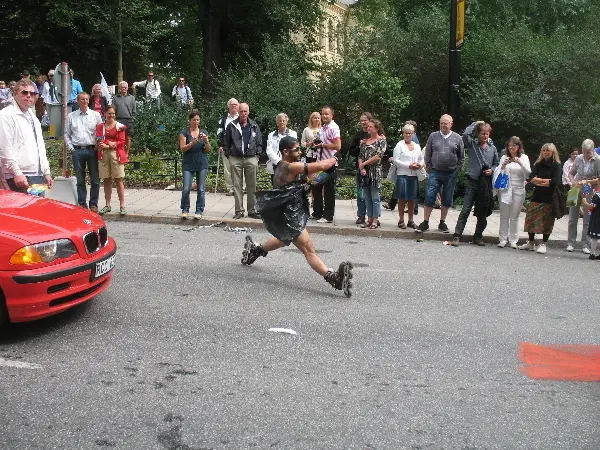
[[97, 105], [110, 135]]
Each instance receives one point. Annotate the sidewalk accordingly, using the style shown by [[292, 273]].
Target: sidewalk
[[161, 206]]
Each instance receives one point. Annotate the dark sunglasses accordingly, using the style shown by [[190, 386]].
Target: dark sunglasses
[[182, 81], [28, 93]]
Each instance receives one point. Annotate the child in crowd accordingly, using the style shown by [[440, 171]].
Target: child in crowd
[[591, 202]]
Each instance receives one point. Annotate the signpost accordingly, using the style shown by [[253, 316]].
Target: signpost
[[457, 37]]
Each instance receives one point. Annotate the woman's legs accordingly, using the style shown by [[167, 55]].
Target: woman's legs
[[120, 191], [401, 205], [505, 210], [201, 183], [368, 201], [107, 190], [185, 191], [515, 212], [411, 210]]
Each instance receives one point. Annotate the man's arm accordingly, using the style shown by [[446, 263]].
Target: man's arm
[[428, 153], [460, 154], [174, 93], [496, 161], [139, 83], [67, 134], [466, 136], [8, 160], [158, 92], [573, 172], [297, 168], [227, 140], [259, 143]]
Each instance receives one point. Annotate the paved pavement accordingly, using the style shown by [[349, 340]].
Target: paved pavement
[[162, 206]]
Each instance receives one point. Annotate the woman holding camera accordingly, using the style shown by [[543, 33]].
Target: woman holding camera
[[311, 133], [194, 144], [369, 165], [515, 164]]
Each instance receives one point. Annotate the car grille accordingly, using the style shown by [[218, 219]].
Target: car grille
[[95, 240]]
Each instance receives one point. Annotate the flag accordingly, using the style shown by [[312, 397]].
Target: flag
[[104, 88]]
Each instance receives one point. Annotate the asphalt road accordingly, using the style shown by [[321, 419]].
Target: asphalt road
[[176, 354]]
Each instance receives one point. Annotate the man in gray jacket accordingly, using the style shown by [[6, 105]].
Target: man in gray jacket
[[125, 106], [444, 156], [242, 144]]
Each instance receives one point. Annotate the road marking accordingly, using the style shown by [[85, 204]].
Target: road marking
[[144, 255], [18, 364]]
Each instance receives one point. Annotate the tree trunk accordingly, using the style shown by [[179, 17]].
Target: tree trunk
[[215, 20]]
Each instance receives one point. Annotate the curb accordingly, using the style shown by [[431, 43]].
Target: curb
[[255, 224]]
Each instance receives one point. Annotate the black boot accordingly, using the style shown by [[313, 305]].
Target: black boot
[[252, 251]]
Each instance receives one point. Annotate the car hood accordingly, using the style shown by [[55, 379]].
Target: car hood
[[35, 219]]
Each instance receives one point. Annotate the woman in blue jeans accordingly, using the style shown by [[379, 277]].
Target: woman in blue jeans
[[193, 143], [369, 164]]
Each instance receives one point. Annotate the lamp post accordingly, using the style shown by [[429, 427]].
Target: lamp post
[[457, 35]]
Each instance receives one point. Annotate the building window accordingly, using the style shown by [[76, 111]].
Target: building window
[[332, 37]]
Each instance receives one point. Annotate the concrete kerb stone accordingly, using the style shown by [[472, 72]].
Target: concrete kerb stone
[[381, 232]]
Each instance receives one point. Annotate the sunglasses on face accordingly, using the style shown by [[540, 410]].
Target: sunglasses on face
[[182, 81], [26, 93]]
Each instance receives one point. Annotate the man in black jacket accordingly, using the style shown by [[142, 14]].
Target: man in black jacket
[[243, 145]]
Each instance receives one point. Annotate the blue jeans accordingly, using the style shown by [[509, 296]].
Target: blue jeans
[[372, 200], [360, 198], [443, 182], [82, 158], [188, 177]]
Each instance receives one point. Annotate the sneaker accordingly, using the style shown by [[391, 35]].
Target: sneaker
[[541, 248], [502, 244], [443, 227], [386, 206], [569, 248], [423, 226], [455, 241], [229, 194], [105, 210], [197, 216], [184, 214], [478, 241], [360, 220], [313, 217], [254, 215], [593, 257], [94, 209], [527, 246], [324, 220], [122, 211], [585, 250], [239, 215], [514, 245]]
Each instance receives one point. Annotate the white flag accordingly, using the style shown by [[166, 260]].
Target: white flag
[[104, 89]]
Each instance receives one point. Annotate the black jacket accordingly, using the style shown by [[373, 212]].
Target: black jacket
[[232, 140]]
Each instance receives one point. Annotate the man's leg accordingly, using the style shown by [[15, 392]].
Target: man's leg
[[572, 227], [250, 173], [329, 197], [431, 190], [448, 187], [304, 243], [273, 244], [237, 174], [79, 163], [465, 212], [361, 208], [92, 161], [227, 173], [317, 192], [585, 239]]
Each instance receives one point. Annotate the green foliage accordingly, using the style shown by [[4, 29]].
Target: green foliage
[[157, 129]]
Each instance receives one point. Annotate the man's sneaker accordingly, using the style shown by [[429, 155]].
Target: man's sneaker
[[324, 220], [569, 248], [585, 250], [541, 248], [197, 216], [254, 215], [514, 245], [386, 206], [252, 251], [423, 226], [502, 244], [593, 257], [527, 246], [478, 241], [184, 214], [341, 280], [455, 241], [360, 220], [443, 227], [239, 215], [313, 217]]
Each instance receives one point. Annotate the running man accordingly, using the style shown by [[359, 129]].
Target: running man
[[285, 211]]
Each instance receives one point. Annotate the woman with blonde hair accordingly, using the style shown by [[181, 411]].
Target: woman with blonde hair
[[516, 165], [311, 133], [546, 175]]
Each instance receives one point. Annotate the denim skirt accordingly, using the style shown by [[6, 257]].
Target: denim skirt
[[407, 188]]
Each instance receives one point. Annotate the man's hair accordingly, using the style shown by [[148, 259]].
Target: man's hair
[[22, 83], [368, 115], [282, 115], [287, 143], [588, 144], [483, 126], [81, 94], [124, 83], [51, 72], [329, 108], [232, 100]]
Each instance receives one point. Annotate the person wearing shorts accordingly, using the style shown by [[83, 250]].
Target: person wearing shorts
[[112, 156]]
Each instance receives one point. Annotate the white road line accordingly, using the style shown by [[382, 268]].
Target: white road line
[[144, 255], [18, 364]]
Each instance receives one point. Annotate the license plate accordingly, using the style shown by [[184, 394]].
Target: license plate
[[103, 267]]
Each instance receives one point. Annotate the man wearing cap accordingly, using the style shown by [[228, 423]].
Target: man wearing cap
[[80, 138], [284, 211], [25, 75], [23, 159]]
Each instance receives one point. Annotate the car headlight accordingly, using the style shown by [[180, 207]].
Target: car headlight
[[43, 252]]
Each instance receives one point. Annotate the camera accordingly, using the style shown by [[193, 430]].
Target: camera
[[317, 141], [484, 167]]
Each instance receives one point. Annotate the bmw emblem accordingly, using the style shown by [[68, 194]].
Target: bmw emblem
[[87, 222]]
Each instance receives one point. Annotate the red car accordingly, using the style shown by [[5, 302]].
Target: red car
[[53, 256]]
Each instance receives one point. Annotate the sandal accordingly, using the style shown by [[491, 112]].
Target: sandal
[[365, 224], [402, 225], [411, 224], [122, 211], [105, 210], [372, 226]]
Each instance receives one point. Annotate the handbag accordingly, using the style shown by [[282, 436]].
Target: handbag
[[559, 205], [391, 175], [364, 180], [421, 174], [501, 182], [573, 196]]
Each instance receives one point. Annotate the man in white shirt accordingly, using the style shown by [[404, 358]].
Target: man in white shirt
[[152, 87], [273, 142], [232, 114], [80, 138], [182, 93], [23, 157]]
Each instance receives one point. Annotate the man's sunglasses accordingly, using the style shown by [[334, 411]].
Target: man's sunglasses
[[28, 93], [182, 81]]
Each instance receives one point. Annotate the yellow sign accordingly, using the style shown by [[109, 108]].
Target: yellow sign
[[461, 27]]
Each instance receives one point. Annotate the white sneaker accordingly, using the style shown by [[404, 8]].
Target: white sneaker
[[528, 245], [541, 248], [502, 244], [569, 248], [514, 245], [323, 220], [585, 250]]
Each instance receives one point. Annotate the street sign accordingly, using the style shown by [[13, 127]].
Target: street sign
[[460, 22]]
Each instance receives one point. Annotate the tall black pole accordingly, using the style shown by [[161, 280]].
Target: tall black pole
[[454, 67]]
